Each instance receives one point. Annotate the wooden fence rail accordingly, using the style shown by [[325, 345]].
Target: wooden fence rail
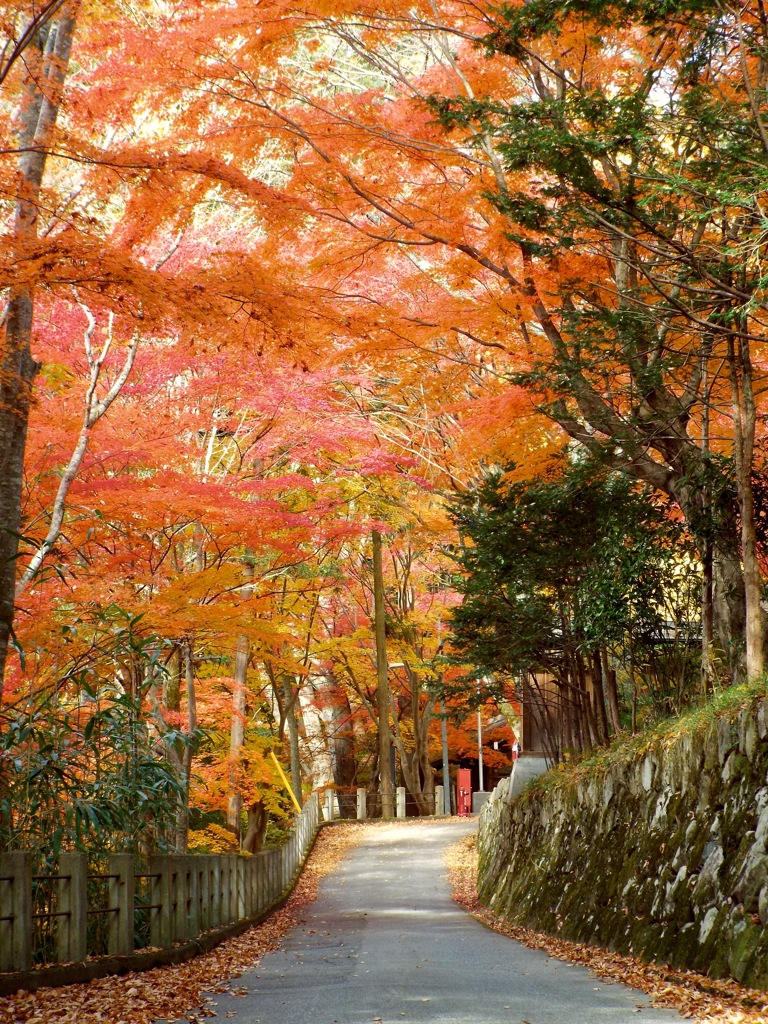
[[182, 896]]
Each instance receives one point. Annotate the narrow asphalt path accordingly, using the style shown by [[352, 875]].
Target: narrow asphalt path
[[384, 941]]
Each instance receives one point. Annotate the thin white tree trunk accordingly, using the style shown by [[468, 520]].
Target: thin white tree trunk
[[94, 410]]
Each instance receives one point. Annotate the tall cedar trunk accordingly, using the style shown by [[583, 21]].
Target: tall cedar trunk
[[568, 741], [580, 733], [612, 693], [582, 729], [382, 681], [744, 419], [343, 745], [707, 621], [290, 695], [707, 607], [237, 727], [182, 814], [633, 681], [172, 701], [729, 598], [721, 537], [47, 62], [586, 704], [599, 692], [427, 772], [421, 754], [551, 728]]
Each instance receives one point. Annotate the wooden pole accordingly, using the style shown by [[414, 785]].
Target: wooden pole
[[382, 690], [286, 783]]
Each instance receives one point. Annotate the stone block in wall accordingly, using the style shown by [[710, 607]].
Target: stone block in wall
[[762, 720], [753, 878]]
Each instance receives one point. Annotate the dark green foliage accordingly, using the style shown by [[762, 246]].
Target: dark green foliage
[[572, 566]]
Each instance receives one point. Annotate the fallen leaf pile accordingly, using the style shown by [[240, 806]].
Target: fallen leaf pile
[[168, 993], [694, 996]]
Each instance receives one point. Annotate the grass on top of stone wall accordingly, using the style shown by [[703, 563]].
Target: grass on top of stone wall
[[728, 703]]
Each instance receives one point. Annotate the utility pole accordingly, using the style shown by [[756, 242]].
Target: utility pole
[[382, 673]]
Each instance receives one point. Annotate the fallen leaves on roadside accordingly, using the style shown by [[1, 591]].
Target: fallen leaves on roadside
[[694, 996], [168, 993]]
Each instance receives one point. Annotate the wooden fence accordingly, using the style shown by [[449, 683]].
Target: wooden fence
[[71, 914]]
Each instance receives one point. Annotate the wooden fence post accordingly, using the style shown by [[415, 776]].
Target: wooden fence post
[[193, 896], [293, 854], [240, 870], [180, 898], [225, 889], [277, 874], [251, 894], [400, 802], [206, 922], [362, 805], [72, 905], [15, 911], [232, 886], [262, 879], [439, 800], [120, 900], [215, 895]]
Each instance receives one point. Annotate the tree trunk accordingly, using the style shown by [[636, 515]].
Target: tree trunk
[[707, 598], [47, 62], [591, 729], [609, 682], [425, 765], [382, 690], [744, 419], [182, 815], [417, 771], [567, 740], [290, 695], [237, 727], [257, 826], [342, 742], [600, 709]]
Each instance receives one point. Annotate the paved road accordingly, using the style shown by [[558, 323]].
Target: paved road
[[385, 941]]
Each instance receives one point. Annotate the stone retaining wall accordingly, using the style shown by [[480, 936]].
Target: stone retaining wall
[[662, 854]]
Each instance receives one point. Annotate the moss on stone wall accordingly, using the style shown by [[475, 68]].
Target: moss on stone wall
[[658, 848]]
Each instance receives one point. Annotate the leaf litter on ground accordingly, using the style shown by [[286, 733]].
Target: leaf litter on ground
[[694, 996]]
